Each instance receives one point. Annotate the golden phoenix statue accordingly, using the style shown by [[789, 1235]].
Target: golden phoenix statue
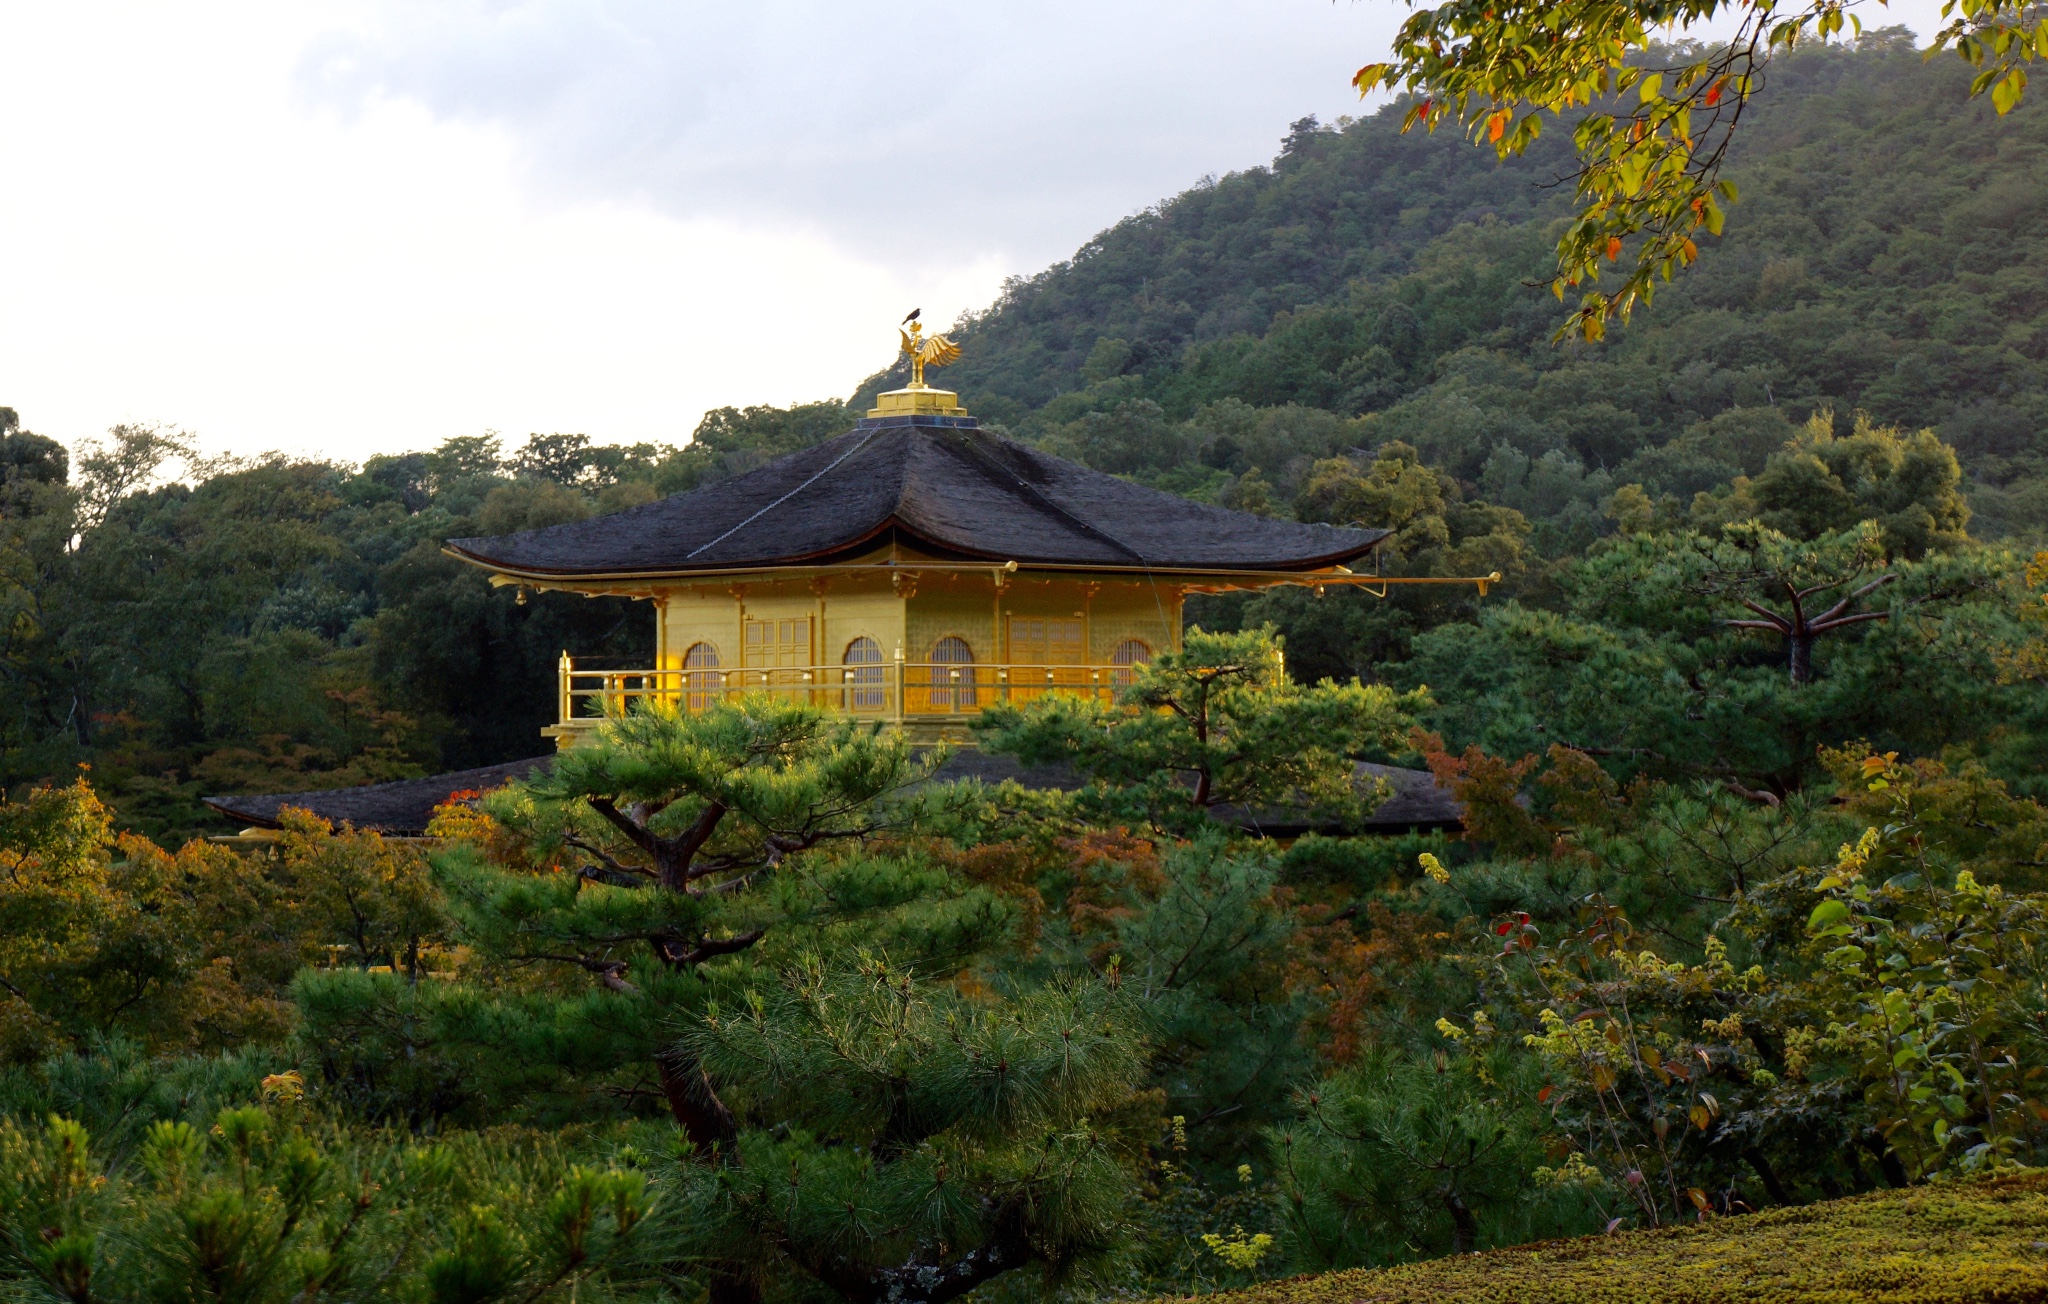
[[933, 351]]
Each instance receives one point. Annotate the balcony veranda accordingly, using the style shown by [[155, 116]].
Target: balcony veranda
[[924, 696]]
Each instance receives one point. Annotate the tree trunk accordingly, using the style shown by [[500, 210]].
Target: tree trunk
[[695, 1104], [1464, 1227], [1772, 1187], [1801, 647], [712, 1130], [727, 1288], [918, 1282], [1887, 1163]]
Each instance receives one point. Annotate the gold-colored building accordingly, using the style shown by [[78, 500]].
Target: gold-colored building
[[915, 569]]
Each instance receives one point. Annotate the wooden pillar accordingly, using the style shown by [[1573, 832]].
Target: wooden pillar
[[1000, 690], [1088, 592], [739, 645], [661, 666], [819, 672]]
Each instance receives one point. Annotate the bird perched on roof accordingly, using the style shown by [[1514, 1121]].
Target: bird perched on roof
[[911, 318]]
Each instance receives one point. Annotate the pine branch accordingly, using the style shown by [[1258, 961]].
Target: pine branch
[[609, 870], [610, 972], [609, 877], [708, 948]]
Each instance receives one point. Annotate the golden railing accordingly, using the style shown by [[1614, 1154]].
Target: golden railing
[[892, 690]]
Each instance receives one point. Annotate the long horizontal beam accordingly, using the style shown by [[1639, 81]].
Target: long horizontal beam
[[1000, 571]]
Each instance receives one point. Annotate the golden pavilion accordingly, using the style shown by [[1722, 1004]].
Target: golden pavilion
[[915, 569]]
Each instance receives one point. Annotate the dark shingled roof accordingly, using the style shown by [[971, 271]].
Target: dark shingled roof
[[1418, 804], [402, 809], [939, 481]]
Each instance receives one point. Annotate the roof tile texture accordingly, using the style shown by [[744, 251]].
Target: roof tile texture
[[959, 489]]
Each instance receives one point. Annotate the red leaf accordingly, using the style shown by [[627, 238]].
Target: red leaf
[[1544, 1094], [1502, 930], [1714, 92]]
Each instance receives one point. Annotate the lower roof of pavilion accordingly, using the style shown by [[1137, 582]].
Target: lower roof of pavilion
[[925, 493], [1417, 802]]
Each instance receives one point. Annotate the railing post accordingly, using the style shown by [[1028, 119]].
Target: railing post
[[564, 669]]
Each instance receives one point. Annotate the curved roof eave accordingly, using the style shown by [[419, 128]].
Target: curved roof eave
[[965, 492], [1302, 566]]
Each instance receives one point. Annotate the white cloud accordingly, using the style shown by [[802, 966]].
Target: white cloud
[[906, 133]]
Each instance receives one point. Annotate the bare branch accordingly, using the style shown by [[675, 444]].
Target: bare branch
[[1757, 795], [1849, 620], [1778, 622], [635, 834], [683, 850], [1832, 612]]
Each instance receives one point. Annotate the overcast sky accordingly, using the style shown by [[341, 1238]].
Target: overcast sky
[[356, 227]]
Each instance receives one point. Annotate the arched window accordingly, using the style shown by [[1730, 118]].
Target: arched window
[[953, 676], [863, 675], [1129, 654], [701, 676]]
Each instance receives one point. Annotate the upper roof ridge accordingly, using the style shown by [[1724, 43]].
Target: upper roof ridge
[[953, 486]]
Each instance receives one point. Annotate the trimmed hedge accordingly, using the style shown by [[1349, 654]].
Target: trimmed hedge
[[1983, 1242]]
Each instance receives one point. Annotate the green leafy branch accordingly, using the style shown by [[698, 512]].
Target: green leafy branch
[[1648, 174]]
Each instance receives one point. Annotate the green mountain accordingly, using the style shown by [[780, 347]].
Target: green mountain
[[1886, 256]]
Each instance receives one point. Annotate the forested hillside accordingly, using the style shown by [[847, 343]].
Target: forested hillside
[[1885, 257]]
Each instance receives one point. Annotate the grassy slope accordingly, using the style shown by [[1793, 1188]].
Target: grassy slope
[[1964, 1243]]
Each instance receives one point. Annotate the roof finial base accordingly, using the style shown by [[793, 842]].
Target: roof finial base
[[917, 400]]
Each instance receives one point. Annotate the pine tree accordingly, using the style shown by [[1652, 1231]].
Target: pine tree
[[667, 868], [902, 1142], [1217, 724]]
